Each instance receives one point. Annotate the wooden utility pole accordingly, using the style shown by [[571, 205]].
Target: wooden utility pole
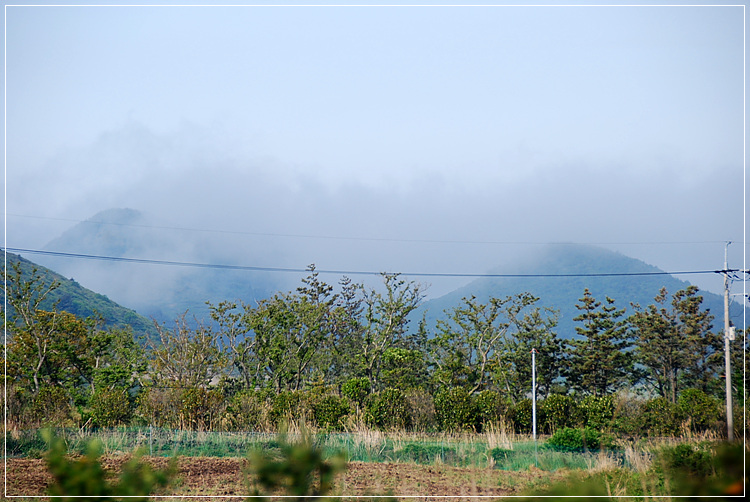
[[727, 356]]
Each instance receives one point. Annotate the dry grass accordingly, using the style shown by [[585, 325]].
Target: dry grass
[[639, 460], [497, 436]]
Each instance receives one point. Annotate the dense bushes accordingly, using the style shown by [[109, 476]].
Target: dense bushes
[[110, 407], [701, 410], [449, 409], [455, 410], [559, 412], [660, 417], [388, 410], [569, 439]]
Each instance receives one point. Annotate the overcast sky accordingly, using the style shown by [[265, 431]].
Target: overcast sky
[[451, 137]]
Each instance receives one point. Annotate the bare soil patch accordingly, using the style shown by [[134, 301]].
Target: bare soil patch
[[223, 479]]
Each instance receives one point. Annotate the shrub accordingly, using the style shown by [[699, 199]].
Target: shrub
[[201, 408], [693, 462], [422, 409], [388, 409], [329, 411], [627, 416], [701, 409], [521, 416], [85, 476], [160, 407], [51, 407], [298, 469], [110, 407], [559, 412], [246, 411], [661, 417], [357, 390], [597, 412], [455, 410], [490, 408], [569, 439], [500, 455], [289, 405]]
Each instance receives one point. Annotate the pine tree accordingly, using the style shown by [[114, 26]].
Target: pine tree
[[674, 344], [599, 360]]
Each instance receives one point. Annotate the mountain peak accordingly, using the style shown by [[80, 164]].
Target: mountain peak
[[117, 216]]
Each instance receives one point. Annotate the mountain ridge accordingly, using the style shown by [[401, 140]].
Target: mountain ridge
[[559, 273], [71, 297]]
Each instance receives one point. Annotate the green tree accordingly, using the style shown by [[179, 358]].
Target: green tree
[[674, 344], [532, 327], [186, 356], [465, 345], [600, 361], [490, 343], [384, 322], [233, 328]]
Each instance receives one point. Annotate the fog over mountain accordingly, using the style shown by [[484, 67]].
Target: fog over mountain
[[421, 140]]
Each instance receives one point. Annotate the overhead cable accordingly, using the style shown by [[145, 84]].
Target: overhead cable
[[220, 266]]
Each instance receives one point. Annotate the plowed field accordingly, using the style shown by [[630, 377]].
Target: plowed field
[[223, 478]]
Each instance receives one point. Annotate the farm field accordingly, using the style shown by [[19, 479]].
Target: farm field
[[407, 466], [223, 478]]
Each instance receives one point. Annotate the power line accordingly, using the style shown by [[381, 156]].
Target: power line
[[345, 272], [339, 237]]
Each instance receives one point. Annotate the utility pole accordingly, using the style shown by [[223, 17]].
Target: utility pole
[[533, 402], [727, 360]]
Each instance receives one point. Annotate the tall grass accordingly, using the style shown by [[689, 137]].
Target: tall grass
[[495, 448]]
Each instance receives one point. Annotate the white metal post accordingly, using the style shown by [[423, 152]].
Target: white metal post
[[533, 393], [533, 403]]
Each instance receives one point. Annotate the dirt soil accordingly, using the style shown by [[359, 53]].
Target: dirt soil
[[223, 479]]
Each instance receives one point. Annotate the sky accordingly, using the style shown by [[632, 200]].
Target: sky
[[434, 139]]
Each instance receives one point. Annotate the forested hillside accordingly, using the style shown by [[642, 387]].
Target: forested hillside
[[561, 293], [71, 297]]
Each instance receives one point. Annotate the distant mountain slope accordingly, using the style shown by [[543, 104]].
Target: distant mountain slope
[[158, 291], [563, 293], [74, 298]]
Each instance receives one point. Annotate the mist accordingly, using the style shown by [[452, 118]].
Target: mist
[[206, 200]]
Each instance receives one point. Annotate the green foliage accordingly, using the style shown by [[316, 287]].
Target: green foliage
[[288, 406], [692, 461], [521, 416], [330, 410], [701, 409], [85, 476], [51, 407], [403, 368], [599, 361], [500, 455], [200, 408], [299, 471], [597, 412], [388, 409], [356, 389], [110, 407], [69, 296], [455, 410], [570, 439], [490, 408], [559, 412], [674, 343], [661, 417], [246, 411]]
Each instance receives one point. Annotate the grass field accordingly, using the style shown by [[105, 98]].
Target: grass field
[[428, 465]]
